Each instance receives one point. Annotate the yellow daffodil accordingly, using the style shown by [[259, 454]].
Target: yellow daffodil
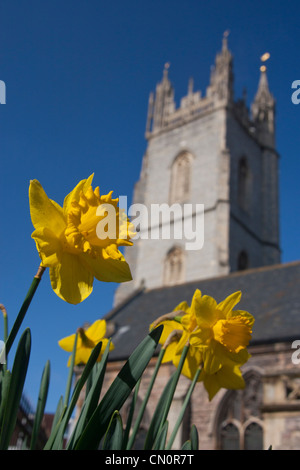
[[86, 341], [222, 333], [217, 335], [229, 377], [70, 239], [175, 336], [172, 331]]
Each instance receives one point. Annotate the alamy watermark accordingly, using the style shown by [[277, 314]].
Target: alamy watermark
[[296, 354], [2, 352], [159, 221], [296, 94], [2, 92]]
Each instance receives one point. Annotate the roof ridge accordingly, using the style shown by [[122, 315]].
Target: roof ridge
[[229, 275], [124, 302]]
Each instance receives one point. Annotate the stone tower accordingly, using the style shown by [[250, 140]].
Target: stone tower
[[217, 160]]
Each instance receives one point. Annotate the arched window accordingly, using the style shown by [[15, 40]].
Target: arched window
[[244, 184], [253, 436], [181, 178], [243, 261], [239, 422], [174, 266], [230, 437]]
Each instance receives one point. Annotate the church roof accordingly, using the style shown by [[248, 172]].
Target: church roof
[[271, 294]]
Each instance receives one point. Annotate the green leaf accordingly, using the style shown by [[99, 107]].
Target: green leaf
[[156, 422], [119, 391], [161, 438], [130, 414], [114, 435], [5, 378], [183, 409], [16, 385], [140, 414], [43, 393], [92, 399], [194, 438], [187, 446], [193, 442], [58, 413], [55, 441], [21, 315]]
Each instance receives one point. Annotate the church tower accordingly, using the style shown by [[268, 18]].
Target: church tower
[[212, 166]]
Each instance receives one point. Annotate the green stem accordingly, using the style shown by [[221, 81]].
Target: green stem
[[145, 401], [174, 384], [3, 309], [5, 329], [182, 411], [70, 376], [24, 308]]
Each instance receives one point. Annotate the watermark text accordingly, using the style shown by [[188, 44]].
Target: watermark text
[[158, 221], [2, 92]]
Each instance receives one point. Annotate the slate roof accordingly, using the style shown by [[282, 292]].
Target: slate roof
[[271, 294]]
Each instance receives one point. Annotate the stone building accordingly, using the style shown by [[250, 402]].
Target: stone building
[[209, 157], [216, 158]]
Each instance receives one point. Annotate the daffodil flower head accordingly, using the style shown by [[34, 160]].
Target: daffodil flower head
[[86, 341], [222, 333], [72, 241], [217, 335]]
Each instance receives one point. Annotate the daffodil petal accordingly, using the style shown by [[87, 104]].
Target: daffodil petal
[[168, 327], [211, 384], [170, 352], [83, 355], [107, 268], [67, 343], [231, 378], [44, 213], [211, 362], [96, 331], [48, 245], [191, 363], [70, 280], [242, 313], [74, 195], [205, 310], [230, 302], [104, 344], [227, 377], [182, 306]]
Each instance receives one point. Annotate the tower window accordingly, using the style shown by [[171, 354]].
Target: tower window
[[244, 184], [243, 261], [181, 178], [174, 266]]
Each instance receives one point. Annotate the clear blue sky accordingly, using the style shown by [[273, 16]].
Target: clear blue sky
[[78, 76]]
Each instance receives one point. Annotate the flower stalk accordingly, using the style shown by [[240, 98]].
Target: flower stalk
[[5, 322], [145, 401], [71, 369], [21, 315], [183, 409], [174, 383]]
